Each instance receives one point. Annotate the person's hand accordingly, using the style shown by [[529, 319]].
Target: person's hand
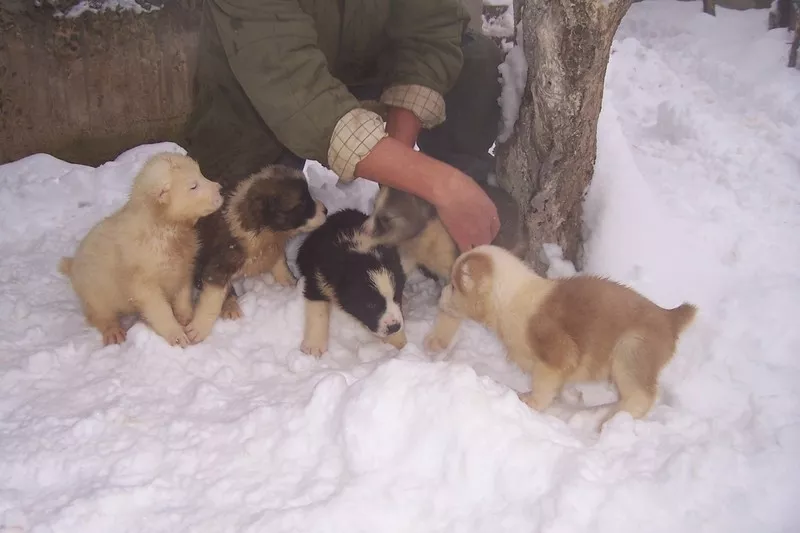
[[466, 211]]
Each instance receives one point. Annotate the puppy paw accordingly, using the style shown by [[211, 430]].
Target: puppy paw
[[398, 340], [177, 337], [114, 335], [315, 349], [433, 343], [197, 331], [537, 404], [528, 399], [231, 310], [181, 340]]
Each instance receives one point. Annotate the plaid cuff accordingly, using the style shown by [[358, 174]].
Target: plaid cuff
[[354, 137], [424, 102]]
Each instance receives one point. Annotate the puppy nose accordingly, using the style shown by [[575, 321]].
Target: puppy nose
[[393, 328]]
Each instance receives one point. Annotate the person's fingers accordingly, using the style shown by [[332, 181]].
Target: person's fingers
[[472, 235]]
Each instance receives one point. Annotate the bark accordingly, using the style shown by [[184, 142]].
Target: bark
[[782, 17], [709, 7], [795, 43], [548, 162]]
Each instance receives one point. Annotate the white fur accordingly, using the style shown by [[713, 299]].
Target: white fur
[[383, 281]]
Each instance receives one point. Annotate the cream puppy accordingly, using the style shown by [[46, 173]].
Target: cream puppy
[[141, 258], [581, 328]]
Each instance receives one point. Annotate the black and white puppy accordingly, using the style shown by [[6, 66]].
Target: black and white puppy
[[365, 283]]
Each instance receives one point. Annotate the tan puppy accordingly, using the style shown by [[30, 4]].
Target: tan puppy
[[412, 225], [140, 259], [558, 331]]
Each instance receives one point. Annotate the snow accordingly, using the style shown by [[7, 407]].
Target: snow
[[100, 6], [695, 197], [513, 78]]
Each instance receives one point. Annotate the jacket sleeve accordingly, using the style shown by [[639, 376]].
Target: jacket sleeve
[[426, 47], [271, 46]]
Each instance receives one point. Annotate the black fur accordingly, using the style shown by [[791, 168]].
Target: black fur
[[328, 253]]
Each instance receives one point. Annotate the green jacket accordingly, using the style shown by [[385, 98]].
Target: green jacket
[[294, 59]]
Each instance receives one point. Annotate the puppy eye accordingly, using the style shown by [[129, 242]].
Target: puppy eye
[[382, 224], [194, 186]]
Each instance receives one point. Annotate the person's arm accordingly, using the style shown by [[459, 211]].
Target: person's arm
[[271, 46], [426, 55], [403, 125], [465, 209]]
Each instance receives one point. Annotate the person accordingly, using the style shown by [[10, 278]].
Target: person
[[284, 81]]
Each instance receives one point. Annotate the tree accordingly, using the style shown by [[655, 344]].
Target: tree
[[780, 14], [795, 41], [548, 161], [710, 7]]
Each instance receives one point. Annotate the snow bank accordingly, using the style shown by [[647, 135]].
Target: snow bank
[[695, 198]]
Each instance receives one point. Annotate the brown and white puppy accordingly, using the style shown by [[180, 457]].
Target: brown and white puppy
[[247, 237], [140, 259], [404, 220], [580, 328]]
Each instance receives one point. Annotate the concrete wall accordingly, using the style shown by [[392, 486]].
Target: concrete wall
[[85, 89]]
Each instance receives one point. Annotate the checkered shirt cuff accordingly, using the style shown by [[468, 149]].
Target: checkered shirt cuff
[[354, 137], [424, 102]]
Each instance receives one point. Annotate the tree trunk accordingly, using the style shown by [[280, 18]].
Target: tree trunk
[[795, 42], [548, 161], [709, 7], [781, 17]]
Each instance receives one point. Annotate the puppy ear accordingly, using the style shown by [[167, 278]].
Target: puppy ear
[[462, 277], [471, 271], [162, 192]]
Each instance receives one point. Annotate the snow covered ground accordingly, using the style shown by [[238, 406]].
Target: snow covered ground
[[696, 197]]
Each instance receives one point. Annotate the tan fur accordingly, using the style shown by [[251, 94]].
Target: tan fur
[[140, 259], [264, 251], [433, 249], [560, 331]]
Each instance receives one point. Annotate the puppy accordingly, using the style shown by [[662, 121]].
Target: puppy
[[572, 329], [140, 259], [247, 237], [368, 285], [404, 220]]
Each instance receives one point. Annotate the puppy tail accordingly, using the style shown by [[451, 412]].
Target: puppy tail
[[65, 266], [682, 316]]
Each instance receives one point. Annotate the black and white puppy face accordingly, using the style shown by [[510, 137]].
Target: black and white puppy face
[[367, 284], [374, 299]]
